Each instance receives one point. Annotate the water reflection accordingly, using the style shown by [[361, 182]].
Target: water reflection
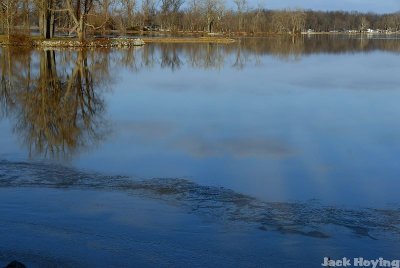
[[57, 109], [247, 51], [55, 98], [295, 47]]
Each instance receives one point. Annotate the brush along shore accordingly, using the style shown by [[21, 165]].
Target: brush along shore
[[103, 42], [66, 42]]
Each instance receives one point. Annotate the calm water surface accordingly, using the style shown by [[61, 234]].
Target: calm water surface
[[310, 122]]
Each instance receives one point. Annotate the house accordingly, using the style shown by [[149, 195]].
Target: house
[[151, 27]]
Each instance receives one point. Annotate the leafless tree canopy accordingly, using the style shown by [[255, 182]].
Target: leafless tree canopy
[[81, 17]]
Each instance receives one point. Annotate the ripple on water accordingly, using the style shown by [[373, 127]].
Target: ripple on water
[[308, 219]]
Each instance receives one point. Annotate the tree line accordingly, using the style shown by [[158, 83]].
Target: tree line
[[82, 17]]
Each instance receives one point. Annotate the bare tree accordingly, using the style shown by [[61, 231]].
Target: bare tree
[[9, 12], [149, 11], [292, 21], [297, 21], [192, 18], [78, 10], [46, 18], [129, 7], [213, 10], [169, 13], [364, 24], [106, 6], [258, 19], [241, 6]]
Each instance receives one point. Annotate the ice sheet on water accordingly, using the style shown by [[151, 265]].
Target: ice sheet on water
[[309, 218]]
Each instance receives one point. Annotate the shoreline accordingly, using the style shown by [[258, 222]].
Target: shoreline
[[106, 42], [71, 43], [127, 42], [214, 40]]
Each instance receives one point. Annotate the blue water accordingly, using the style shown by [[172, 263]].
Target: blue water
[[305, 130], [320, 126], [58, 216]]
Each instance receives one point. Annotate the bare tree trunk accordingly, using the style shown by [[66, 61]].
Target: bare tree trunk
[[9, 17], [46, 19], [80, 22], [106, 4], [26, 16], [210, 22], [81, 29]]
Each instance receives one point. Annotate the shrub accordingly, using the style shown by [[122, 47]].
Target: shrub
[[19, 39]]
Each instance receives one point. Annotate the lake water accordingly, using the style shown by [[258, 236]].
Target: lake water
[[265, 152]]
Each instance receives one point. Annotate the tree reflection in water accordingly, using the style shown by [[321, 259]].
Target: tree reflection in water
[[248, 51], [56, 97], [58, 111]]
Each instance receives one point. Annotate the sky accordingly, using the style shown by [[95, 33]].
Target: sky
[[377, 6]]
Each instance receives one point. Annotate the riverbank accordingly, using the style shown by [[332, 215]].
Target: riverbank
[[25, 41], [215, 40]]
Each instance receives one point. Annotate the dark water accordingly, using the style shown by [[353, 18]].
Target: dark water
[[276, 142]]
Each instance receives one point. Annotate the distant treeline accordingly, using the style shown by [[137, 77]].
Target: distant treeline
[[79, 17]]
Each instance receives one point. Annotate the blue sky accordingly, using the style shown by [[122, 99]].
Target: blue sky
[[378, 6]]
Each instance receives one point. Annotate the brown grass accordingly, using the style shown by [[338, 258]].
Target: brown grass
[[217, 40], [16, 40]]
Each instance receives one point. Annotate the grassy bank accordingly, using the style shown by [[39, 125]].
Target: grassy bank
[[216, 40]]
